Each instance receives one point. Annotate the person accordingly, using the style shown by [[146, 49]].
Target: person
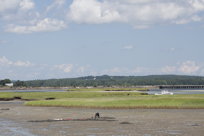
[[97, 115]]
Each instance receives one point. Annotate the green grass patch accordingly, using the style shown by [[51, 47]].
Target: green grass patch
[[59, 95], [144, 102], [108, 99]]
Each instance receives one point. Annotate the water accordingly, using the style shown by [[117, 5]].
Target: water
[[10, 128], [178, 91], [152, 91], [32, 91]]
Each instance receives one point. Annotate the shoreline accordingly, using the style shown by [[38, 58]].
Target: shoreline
[[33, 88]]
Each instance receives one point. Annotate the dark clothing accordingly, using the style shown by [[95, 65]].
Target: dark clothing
[[97, 115]]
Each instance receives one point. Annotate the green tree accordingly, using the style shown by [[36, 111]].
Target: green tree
[[4, 82]]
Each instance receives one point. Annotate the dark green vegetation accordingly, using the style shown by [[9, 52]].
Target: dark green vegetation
[[125, 81], [17, 83], [5, 81], [107, 99], [110, 81]]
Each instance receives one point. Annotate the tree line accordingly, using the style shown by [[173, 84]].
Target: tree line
[[110, 81], [17, 83], [125, 81]]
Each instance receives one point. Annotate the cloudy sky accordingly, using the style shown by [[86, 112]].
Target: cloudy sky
[[42, 39]]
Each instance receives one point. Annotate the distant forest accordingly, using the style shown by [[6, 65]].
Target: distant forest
[[125, 81]]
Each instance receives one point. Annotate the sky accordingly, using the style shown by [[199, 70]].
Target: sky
[[44, 39]]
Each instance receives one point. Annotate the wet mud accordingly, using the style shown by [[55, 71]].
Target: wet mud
[[22, 120]]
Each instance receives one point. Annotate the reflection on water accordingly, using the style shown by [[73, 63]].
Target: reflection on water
[[151, 91], [178, 91], [9, 128]]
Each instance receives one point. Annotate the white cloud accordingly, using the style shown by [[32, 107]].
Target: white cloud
[[64, 67], [6, 62], [115, 70], [93, 12], [26, 4], [197, 4], [56, 4], [189, 67], [186, 67], [139, 13], [22, 63], [44, 25], [83, 69], [169, 69], [7, 5]]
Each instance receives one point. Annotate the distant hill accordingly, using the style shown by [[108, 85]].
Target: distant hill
[[108, 81]]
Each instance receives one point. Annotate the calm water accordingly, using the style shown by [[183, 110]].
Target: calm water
[[153, 91], [32, 91]]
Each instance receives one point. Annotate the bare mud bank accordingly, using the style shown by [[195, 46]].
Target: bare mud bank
[[127, 122]]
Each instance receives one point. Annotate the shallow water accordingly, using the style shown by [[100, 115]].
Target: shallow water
[[152, 91], [10, 128], [32, 91]]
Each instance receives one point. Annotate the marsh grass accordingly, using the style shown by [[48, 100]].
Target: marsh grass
[[59, 95], [125, 102], [108, 99]]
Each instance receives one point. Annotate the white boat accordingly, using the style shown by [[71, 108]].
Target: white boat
[[164, 92]]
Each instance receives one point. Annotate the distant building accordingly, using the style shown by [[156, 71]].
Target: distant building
[[9, 84]]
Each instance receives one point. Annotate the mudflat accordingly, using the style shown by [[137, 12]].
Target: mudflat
[[15, 118]]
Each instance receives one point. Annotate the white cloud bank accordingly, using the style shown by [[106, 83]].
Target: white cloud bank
[[25, 70], [24, 16], [187, 67], [139, 13], [92, 11], [64, 67], [9, 5], [6, 62]]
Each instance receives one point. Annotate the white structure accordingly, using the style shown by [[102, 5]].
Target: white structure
[[9, 84]]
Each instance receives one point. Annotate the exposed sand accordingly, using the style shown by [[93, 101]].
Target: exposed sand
[[133, 122]]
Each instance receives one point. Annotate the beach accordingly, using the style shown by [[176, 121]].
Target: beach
[[19, 120]]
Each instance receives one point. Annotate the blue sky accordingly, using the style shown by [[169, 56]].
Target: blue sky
[[71, 38]]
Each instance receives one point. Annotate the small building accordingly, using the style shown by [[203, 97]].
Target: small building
[[9, 84]]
